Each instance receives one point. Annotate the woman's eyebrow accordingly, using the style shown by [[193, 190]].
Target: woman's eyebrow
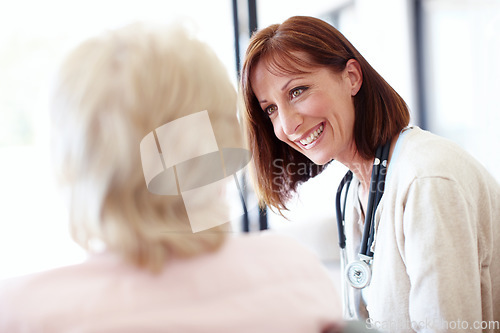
[[289, 81], [282, 88]]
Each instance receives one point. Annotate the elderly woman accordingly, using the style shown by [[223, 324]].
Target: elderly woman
[[153, 273], [421, 215]]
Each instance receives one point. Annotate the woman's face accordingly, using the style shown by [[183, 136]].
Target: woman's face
[[312, 112]]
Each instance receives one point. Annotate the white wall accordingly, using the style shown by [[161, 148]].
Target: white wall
[[463, 75]]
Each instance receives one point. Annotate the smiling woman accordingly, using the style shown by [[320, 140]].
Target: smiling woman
[[309, 58], [410, 196]]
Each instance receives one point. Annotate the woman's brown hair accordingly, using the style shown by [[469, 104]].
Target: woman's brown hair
[[380, 113]]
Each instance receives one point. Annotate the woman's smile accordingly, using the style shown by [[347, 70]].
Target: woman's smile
[[312, 138]]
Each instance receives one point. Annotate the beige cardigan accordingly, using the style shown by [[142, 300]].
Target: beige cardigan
[[437, 248]]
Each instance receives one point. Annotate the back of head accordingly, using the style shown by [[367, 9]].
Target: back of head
[[110, 92]]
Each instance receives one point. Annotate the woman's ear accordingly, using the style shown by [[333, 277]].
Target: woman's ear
[[355, 75]]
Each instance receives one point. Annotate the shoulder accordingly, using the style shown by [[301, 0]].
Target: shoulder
[[35, 284], [435, 176], [265, 249], [427, 151], [422, 154], [25, 300], [268, 241], [273, 271], [270, 263]]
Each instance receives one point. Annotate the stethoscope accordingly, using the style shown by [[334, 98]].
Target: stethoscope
[[358, 272]]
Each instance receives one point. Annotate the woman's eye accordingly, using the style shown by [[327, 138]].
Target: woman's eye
[[296, 92], [271, 109]]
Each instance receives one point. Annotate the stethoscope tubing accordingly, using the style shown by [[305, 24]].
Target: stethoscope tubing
[[377, 187], [340, 216], [349, 311]]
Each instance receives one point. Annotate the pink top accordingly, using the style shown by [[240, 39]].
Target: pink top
[[258, 283]]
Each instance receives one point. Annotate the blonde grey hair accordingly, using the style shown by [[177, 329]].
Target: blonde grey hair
[[110, 92]]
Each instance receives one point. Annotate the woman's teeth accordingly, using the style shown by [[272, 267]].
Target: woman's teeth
[[313, 137]]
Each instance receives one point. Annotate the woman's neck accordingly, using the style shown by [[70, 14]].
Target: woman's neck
[[362, 169], [359, 166]]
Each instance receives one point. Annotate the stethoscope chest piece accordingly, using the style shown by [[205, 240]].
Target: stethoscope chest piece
[[359, 274]]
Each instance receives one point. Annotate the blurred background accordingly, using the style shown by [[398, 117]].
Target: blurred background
[[442, 56]]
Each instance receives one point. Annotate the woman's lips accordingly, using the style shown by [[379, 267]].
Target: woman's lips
[[311, 140]]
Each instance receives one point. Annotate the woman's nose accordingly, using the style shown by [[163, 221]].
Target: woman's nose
[[290, 120]]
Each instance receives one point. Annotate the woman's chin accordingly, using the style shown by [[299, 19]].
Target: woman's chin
[[320, 160]]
